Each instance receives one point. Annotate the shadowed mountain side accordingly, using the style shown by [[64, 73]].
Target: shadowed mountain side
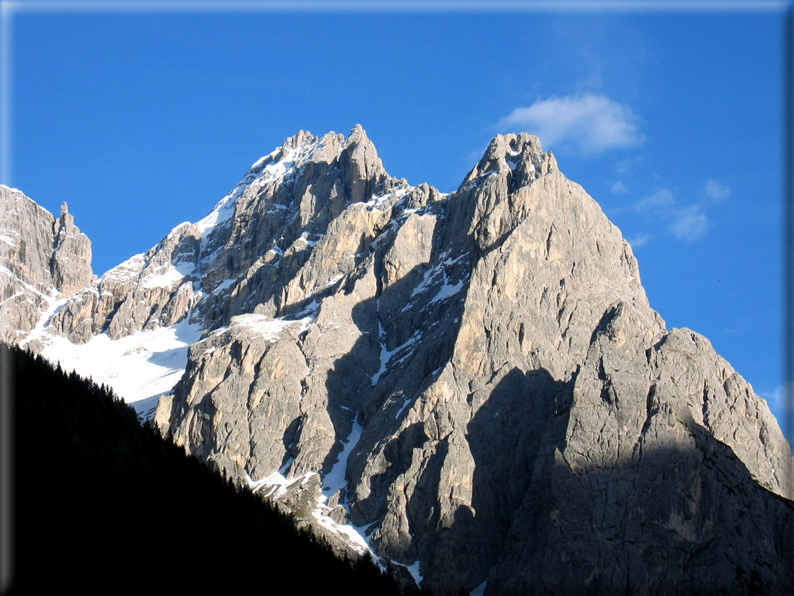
[[393, 330], [686, 519], [417, 335], [506, 438]]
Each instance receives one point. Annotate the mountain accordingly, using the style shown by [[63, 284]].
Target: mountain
[[40, 256], [472, 385]]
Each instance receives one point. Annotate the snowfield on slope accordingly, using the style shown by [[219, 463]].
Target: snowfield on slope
[[139, 368]]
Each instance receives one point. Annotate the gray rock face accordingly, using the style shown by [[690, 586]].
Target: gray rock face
[[527, 419], [144, 292], [71, 256], [256, 251], [477, 379], [41, 258]]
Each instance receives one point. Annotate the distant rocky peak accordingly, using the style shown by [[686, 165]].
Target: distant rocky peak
[[295, 151], [511, 146], [41, 259], [520, 157], [71, 255], [362, 169], [63, 227]]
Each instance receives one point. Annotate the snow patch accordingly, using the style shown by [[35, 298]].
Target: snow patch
[[308, 314], [54, 305], [353, 536], [335, 479], [404, 405], [414, 570], [263, 159], [427, 279], [333, 482], [220, 215], [168, 278], [10, 240], [131, 268], [225, 284], [386, 354], [447, 291], [141, 366], [276, 486], [304, 239], [431, 276], [267, 327]]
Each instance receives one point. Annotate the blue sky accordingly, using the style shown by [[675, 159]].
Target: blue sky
[[671, 120]]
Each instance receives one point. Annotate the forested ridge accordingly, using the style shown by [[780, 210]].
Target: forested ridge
[[103, 504]]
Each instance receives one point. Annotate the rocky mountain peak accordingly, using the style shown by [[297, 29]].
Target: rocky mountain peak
[[476, 378], [71, 255], [41, 259], [361, 167], [256, 250], [518, 156]]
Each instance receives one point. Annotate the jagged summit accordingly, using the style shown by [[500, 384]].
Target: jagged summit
[[509, 151], [41, 257], [244, 255], [475, 381]]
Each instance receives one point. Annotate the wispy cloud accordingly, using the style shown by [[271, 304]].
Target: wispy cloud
[[716, 191], [625, 169], [690, 224], [627, 165], [685, 221], [619, 188], [658, 204], [589, 122]]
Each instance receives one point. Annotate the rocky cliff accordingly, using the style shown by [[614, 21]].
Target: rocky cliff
[[475, 381], [41, 258]]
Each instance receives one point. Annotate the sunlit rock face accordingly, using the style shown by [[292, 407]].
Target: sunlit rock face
[[41, 258], [477, 378]]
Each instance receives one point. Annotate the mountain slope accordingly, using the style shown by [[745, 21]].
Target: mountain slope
[[475, 381], [102, 502]]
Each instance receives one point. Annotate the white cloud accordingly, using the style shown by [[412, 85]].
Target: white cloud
[[716, 191], [658, 204], [619, 188], [690, 224], [686, 223], [591, 123]]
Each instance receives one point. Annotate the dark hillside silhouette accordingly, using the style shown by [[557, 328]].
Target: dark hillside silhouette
[[104, 505]]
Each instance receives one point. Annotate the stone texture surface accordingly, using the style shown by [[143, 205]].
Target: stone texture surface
[[482, 368], [258, 250], [71, 256], [528, 420], [41, 259]]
